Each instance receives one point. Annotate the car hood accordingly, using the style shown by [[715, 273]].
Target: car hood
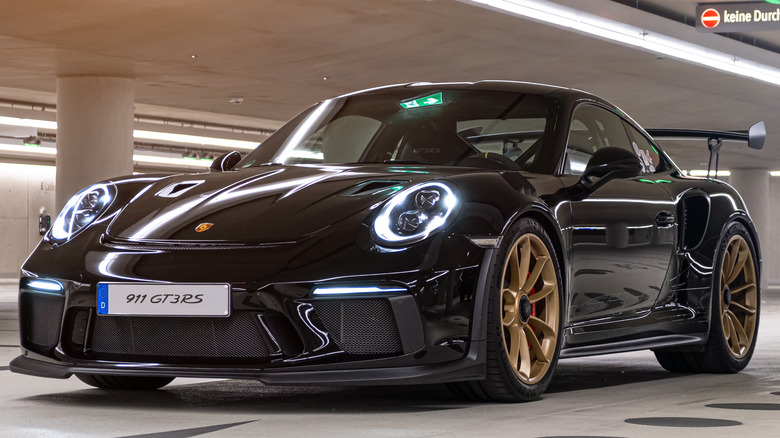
[[263, 204]]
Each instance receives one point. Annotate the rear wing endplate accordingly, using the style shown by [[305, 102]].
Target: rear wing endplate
[[754, 137]]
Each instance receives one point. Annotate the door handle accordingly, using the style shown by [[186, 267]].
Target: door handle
[[664, 219]]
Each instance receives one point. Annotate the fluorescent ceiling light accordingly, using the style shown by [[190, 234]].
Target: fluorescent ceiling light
[[195, 139], [142, 134], [32, 123], [37, 150], [172, 161], [774, 173], [139, 158], [611, 30]]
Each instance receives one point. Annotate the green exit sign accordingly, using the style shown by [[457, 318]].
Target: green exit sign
[[433, 99]]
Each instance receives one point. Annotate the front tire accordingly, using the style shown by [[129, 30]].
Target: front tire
[[524, 319], [736, 300], [141, 383]]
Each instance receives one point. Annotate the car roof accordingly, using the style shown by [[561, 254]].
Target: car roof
[[485, 85]]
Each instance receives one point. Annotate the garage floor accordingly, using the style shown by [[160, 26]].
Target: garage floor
[[627, 395]]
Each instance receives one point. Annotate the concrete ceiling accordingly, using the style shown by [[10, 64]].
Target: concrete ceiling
[[190, 57]]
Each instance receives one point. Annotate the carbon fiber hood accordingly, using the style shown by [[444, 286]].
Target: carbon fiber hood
[[264, 204]]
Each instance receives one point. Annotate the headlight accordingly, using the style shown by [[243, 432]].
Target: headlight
[[415, 213], [80, 211]]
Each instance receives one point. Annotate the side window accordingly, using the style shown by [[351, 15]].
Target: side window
[[511, 137], [515, 130], [591, 129], [644, 148]]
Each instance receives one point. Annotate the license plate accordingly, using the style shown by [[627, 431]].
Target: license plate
[[163, 299]]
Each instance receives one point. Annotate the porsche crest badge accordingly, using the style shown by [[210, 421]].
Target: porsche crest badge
[[203, 227]]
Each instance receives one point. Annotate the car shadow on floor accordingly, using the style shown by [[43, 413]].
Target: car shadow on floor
[[593, 373], [244, 396]]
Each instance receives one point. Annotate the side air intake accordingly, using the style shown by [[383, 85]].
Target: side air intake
[[694, 214]]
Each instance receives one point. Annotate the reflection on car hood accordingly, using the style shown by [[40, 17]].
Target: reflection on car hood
[[264, 204]]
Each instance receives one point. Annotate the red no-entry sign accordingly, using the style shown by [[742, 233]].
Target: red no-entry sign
[[710, 18]]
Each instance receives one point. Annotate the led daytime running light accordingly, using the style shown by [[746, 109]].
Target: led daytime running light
[[46, 285], [355, 290]]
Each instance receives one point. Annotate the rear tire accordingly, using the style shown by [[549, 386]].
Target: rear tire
[[736, 301], [141, 383], [525, 316]]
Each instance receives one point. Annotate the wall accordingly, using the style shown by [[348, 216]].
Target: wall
[[24, 189], [770, 243]]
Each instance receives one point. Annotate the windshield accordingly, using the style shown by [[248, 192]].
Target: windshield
[[437, 127]]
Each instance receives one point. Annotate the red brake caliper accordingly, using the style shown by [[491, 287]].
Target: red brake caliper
[[533, 307]]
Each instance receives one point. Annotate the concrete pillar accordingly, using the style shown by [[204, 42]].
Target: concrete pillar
[[94, 131], [753, 185]]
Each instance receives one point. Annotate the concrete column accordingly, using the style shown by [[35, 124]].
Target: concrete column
[[94, 131], [753, 185]]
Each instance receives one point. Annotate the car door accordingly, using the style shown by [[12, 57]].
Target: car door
[[623, 228]]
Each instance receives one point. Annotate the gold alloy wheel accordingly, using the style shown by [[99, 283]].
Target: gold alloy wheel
[[530, 308], [738, 296]]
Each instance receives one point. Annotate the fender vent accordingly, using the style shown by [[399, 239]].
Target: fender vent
[[177, 189], [694, 214]]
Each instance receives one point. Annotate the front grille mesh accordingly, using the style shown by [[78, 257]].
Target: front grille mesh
[[360, 327], [144, 338]]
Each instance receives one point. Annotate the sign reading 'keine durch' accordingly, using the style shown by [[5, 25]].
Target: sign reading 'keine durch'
[[737, 17]]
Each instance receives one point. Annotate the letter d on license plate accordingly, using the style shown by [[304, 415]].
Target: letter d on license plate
[[163, 299]]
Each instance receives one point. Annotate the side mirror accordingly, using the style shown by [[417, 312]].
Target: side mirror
[[613, 162], [757, 136], [225, 162]]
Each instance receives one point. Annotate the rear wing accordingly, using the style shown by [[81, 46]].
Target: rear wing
[[754, 137]]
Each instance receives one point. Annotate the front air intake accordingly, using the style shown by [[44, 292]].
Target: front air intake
[[360, 326], [127, 338]]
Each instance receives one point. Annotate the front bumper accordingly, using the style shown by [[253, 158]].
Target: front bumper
[[431, 332], [470, 367]]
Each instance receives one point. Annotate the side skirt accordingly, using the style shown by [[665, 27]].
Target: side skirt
[[654, 343], [671, 327]]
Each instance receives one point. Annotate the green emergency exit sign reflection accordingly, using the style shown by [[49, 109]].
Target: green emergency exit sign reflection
[[433, 99]]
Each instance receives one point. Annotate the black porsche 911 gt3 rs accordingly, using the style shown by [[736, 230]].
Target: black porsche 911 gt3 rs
[[464, 233]]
